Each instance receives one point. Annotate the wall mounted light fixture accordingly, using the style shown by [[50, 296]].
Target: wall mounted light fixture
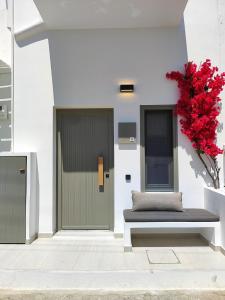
[[126, 88]]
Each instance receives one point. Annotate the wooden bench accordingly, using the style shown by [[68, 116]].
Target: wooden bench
[[189, 218]]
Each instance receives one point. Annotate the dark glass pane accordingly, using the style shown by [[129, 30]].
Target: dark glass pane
[[159, 148]]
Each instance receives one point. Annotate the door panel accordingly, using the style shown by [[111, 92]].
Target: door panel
[[83, 136], [12, 200], [159, 149]]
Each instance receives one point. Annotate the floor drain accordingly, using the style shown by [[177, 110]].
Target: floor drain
[[164, 256]]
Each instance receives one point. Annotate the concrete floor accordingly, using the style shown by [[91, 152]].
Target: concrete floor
[[94, 262]]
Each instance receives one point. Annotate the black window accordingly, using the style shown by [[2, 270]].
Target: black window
[[159, 144]]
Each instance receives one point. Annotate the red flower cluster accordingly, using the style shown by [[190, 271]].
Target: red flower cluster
[[198, 104]]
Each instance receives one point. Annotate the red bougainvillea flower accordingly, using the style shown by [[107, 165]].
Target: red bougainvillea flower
[[198, 104]]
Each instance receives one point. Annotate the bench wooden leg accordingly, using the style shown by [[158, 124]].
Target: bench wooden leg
[[127, 238]]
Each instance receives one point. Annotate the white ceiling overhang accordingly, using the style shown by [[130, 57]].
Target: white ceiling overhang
[[35, 16], [93, 14]]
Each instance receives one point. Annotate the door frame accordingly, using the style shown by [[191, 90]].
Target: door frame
[[58, 170], [143, 109]]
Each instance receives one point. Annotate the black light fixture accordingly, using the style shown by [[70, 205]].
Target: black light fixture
[[126, 88]]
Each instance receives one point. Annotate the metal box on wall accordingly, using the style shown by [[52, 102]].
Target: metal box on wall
[[13, 199], [127, 132], [18, 198]]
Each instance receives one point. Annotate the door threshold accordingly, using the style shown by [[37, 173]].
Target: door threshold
[[84, 234]]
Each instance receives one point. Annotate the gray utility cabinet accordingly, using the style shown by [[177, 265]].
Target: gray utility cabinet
[[13, 199]]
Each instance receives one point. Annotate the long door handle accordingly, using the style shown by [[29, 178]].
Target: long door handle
[[100, 171]]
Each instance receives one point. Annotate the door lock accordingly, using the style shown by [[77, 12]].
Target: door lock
[[22, 171], [106, 175]]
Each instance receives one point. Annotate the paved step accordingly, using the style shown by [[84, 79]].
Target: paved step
[[118, 281]]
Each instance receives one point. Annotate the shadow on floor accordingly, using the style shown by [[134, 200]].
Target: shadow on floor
[[168, 240]]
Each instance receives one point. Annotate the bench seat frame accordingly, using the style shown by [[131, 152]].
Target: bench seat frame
[[168, 225]]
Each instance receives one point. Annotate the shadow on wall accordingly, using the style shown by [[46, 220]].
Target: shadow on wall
[[85, 65], [195, 163], [34, 39]]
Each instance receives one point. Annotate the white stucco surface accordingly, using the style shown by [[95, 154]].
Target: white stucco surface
[[97, 14], [27, 17], [83, 69], [215, 202], [34, 119], [205, 35], [5, 35]]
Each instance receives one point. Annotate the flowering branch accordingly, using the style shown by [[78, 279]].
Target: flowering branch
[[198, 107], [214, 171]]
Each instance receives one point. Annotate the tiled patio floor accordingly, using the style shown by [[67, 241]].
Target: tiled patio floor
[[99, 263], [105, 253]]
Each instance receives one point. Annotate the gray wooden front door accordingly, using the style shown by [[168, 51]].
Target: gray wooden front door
[[84, 136], [12, 199]]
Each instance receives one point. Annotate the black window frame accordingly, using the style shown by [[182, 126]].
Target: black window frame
[[158, 188]]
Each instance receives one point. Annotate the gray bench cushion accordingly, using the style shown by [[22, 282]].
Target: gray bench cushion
[[157, 201], [188, 215]]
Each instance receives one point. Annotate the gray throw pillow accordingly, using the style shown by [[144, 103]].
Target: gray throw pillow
[[157, 201]]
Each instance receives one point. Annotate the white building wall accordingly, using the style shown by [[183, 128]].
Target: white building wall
[[83, 69], [5, 34], [88, 75], [5, 76], [215, 202], [205, 35], [33, 127]]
